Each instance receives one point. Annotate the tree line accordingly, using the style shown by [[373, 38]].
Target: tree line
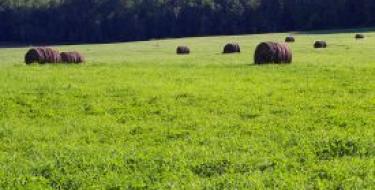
[[77, 21]]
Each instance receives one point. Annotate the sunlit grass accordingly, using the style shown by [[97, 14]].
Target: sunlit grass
[[137, 116]]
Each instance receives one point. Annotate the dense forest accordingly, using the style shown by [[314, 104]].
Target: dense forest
[[77, 21]]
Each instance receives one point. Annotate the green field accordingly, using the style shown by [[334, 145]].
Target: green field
[[137, 116]]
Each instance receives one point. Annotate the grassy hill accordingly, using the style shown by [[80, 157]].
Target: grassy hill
[[137, 116]]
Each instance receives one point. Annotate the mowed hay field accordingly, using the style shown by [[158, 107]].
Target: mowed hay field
[[138, 116]]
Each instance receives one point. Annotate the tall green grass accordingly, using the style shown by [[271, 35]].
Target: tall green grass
[[137, 116]]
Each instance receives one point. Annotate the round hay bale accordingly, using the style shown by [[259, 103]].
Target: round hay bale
[[181, 50], [34, 55], [232, 48], [272, 52], [359, 36], [51, 55], [290, 39], [320, 44], [42, 55], [72, 57]]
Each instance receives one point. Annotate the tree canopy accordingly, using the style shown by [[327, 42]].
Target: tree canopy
[[126, 20]]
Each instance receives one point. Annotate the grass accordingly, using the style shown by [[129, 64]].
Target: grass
[[137, 116]]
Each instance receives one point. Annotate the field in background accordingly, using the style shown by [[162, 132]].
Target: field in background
[[137, 116]]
